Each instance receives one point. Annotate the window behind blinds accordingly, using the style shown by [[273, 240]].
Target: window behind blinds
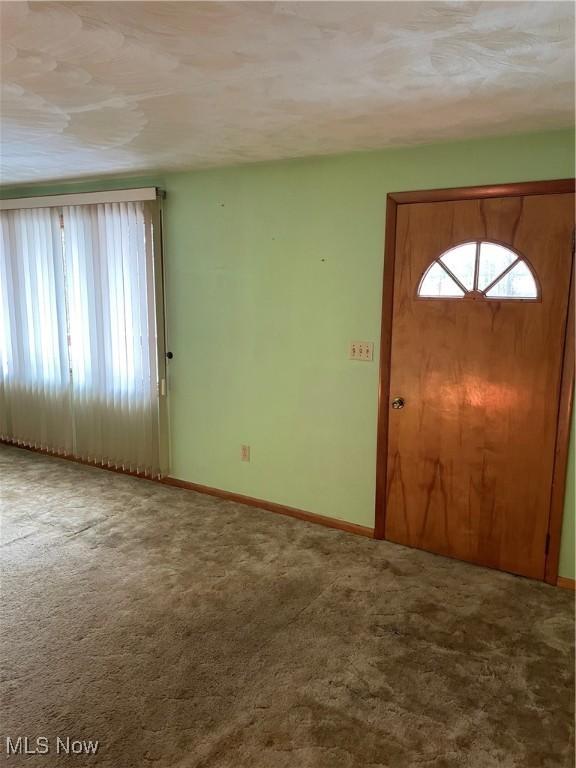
[[81, 333]]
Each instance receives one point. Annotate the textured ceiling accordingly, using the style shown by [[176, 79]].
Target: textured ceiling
[[95, 88]]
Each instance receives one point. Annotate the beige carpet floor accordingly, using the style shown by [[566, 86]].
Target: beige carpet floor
[[181, 631]]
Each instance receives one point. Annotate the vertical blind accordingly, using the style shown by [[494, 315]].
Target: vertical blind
[[34, 389], [81, 349]]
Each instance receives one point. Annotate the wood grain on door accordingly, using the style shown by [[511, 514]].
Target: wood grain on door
[[471, 453]]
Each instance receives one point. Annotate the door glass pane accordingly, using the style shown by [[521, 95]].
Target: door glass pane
[[494, 259], [461, 261], [519, 283], [437, 282]]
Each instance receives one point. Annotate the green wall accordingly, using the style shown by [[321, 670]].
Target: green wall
[[568, 544], [270, 271]]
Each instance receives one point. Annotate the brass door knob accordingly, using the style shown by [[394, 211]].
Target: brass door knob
[[398, 403]]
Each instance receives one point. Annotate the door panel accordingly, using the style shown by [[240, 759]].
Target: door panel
[[470, 456]]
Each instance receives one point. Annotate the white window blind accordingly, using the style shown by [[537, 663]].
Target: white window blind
[[81, 332], [34, 385]]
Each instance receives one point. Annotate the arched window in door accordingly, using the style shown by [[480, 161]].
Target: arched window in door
[[479, 269]]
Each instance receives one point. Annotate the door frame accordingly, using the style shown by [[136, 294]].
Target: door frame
[[518, 189]]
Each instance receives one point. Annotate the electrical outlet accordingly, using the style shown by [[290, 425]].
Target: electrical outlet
[[244, 453], [361, 350]]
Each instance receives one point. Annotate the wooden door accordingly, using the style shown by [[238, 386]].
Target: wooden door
[[477, 361]]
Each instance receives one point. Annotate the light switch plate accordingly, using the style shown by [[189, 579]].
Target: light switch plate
[[361, 350]]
